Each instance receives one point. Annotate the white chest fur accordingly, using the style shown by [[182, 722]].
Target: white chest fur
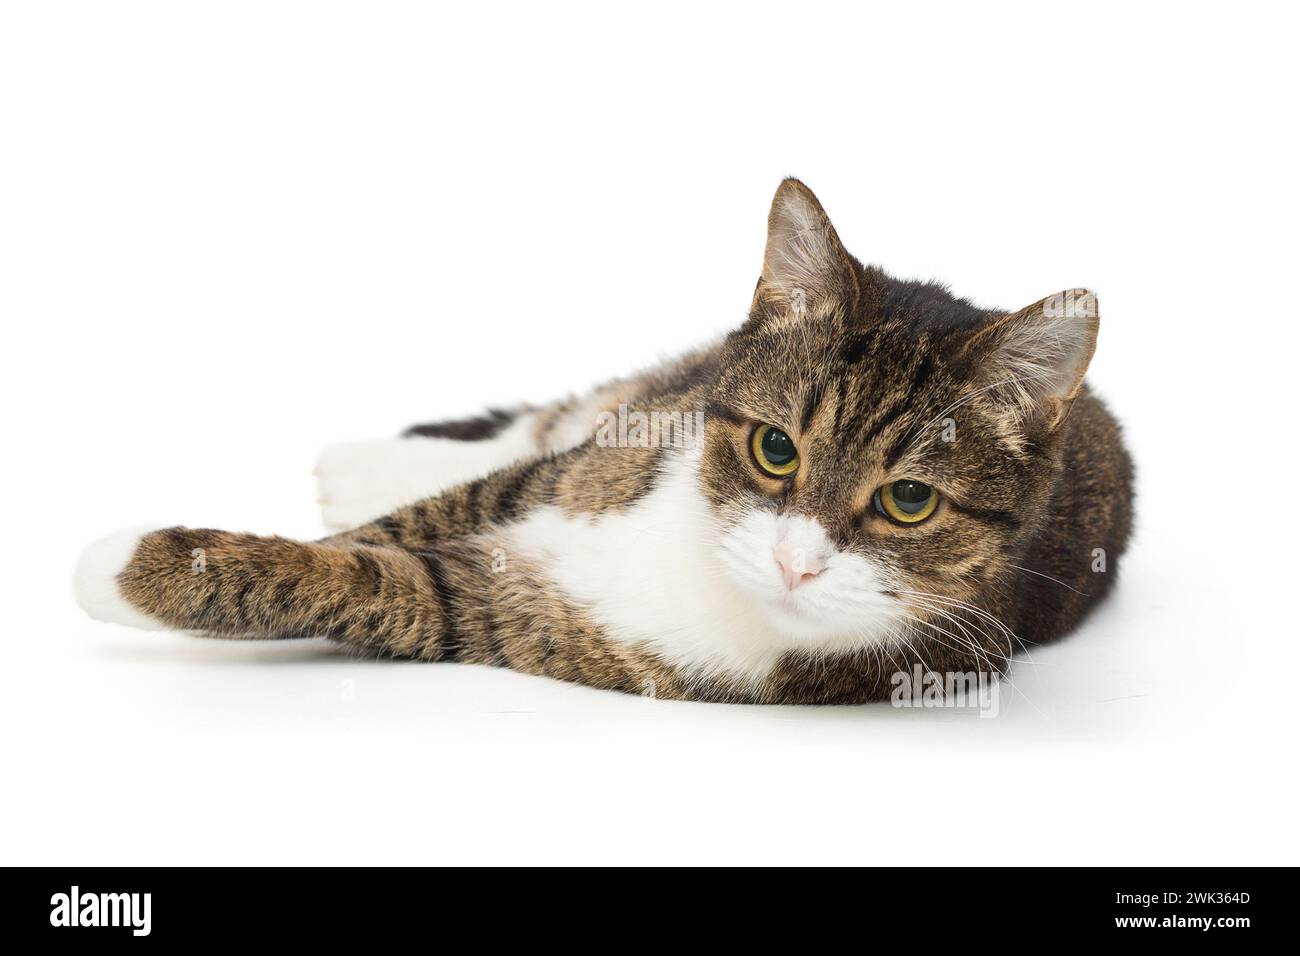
[[652, 574]]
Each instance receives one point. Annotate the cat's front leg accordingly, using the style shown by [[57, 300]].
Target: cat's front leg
[[228, 584]]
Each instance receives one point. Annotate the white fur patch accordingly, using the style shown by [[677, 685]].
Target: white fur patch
[[663, 573], [360, 481], [842, 608], [95, 580]]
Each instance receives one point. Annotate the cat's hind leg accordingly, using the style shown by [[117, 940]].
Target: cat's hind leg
[[362, 480]]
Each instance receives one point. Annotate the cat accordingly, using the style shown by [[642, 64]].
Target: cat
[[869, 475]]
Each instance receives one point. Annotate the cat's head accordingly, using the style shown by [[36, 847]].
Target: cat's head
[[878, 447]]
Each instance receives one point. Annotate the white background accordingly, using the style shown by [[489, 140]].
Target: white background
[[232, 233]]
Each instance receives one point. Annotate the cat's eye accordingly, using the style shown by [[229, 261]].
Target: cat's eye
[[774, 451], [906, 501]]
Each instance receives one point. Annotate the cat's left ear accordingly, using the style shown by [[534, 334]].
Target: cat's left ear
[[804, 264], [1034, 360]]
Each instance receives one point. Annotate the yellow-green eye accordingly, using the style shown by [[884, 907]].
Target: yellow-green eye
[[774, 451], [907, 501]]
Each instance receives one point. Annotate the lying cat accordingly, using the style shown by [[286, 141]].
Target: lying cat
[[869, 474]]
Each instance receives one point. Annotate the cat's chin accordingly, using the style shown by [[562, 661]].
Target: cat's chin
[[805, 619], [802, 626]]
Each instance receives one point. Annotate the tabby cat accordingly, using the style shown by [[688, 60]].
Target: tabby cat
[[868, 475]]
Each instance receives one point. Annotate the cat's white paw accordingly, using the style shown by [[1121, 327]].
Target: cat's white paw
[[360, 481], [95, 580], [363, 480]]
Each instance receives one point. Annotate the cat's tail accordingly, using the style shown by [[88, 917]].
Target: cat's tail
[[380, 597]]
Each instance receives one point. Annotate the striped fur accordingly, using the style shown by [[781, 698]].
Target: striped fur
[[876, 379]]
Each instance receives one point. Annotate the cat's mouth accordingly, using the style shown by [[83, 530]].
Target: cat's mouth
[[817, 609]]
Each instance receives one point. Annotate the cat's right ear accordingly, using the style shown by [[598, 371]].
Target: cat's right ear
[[804, 265]]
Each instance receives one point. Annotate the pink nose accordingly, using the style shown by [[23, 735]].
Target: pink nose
[[797, 565]]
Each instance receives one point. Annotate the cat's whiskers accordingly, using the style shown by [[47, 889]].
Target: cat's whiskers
[[1005, 675], [941, 609], [1002, 676], [1049, 577], [965, 626], [971, 608], [1010, 636], [963, 643]]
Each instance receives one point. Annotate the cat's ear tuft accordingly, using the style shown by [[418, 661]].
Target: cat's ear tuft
[[804, 263], [1034, 360]]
